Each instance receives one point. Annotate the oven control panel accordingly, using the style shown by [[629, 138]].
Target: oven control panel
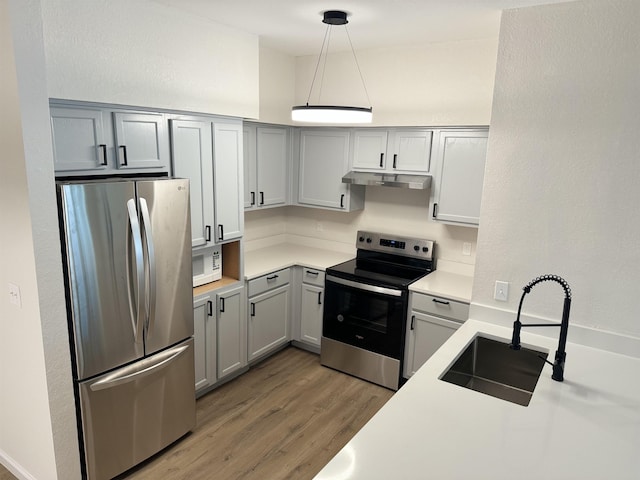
[[407, 246]]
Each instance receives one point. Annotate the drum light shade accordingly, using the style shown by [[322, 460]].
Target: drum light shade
[[332, 113]]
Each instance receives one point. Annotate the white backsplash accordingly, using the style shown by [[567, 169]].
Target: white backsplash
[[390, 210]]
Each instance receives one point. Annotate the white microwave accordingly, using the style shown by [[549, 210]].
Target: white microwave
[[207, 265]]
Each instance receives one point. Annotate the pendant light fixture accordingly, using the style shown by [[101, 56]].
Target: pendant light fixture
[[332, 113]]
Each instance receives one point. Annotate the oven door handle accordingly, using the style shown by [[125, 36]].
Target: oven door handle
[[365, 286]]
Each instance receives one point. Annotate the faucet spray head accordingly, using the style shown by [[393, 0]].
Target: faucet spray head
[[515, 337]]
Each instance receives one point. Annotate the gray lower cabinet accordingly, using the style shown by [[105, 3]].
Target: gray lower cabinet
[[205, 341], [268, 317], [231, 332], [431, 322], [219, 336], [311, 306], [90, 139]]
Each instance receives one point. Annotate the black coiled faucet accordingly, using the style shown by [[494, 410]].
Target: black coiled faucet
[[558, 364]]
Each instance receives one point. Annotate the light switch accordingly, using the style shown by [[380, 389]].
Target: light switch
[[501, 292], [14, 295]]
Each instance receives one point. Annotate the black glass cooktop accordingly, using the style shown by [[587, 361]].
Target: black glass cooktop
[[383, 270]]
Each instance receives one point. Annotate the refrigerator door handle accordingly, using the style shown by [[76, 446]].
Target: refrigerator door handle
[[130, 373], [136, 320], [150, 262]]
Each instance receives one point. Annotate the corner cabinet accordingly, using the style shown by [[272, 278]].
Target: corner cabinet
[[392, 150], [95, 140], [457, 191], [431, 322], [209, 153], [324, 160], [266, 166]]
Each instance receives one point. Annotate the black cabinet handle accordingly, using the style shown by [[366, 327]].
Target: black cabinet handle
[[253, 198], [253, 309], [319, 298], [395, 158], [441, 302], [413, 321], [209, 308], [221, 304], [125, 162], [381, 159], [435, 210], [220, 232], [311, 272], [103, 147], [342, 200], [272, 277], [207, 233], [261, 198]]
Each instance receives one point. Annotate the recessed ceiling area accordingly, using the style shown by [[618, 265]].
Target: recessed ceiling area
[[295, 26]]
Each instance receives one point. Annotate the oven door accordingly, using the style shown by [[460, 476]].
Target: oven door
[[364, 315]]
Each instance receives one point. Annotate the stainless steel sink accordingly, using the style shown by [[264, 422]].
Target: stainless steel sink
[[491, 367]]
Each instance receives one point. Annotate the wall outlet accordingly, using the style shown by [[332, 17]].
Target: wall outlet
[[501, 292], [14, 295], [466, 248], [319, 227]]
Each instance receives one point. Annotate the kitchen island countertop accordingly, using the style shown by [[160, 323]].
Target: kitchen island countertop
[[587, 427]]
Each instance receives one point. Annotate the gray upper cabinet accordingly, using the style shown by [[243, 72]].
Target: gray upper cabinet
[[95, 140], [193, 159], [460, 173], [141, 140], [324, 159], [392, 150], [266, 166], [208, 152]]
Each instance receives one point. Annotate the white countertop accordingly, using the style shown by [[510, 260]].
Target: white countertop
[[587, 427], [266, 260], [453, 286]]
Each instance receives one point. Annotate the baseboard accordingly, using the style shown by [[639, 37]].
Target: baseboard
[[10, 464]]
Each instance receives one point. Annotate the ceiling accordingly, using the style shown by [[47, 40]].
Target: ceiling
[[295, 26]]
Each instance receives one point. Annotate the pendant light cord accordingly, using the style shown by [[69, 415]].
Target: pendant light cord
[[325, 43], [357, 65]]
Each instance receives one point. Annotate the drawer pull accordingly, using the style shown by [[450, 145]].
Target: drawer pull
[[272, 277], [441, 302], [310, 272]]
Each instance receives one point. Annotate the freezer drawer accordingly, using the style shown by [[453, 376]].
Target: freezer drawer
[[133, 412]]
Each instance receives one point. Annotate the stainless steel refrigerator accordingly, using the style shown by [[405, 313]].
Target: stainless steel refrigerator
[[127, 263]]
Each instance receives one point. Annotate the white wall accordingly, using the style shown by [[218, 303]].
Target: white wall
[[449, 83], [277, 86], [561, 190], [139, 52], [38, 437]]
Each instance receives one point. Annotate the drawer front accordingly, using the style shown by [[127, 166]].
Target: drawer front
[[311, 276], [440, 306], [268, 282]]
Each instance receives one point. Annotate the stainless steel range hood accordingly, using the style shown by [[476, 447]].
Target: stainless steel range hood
[[417, 182]]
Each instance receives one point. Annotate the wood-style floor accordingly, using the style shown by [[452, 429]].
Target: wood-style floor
[[284, 419]]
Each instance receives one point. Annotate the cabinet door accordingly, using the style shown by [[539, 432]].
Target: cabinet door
[[370, 149], [311, 314], [461, 174], [79, 140], [410, 151], [204, 337], [426, 334], [268, 323], [249, 163], [271, 159], [324, 159], [232, 332], [193, 159], [228, 181], [141, 141]]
